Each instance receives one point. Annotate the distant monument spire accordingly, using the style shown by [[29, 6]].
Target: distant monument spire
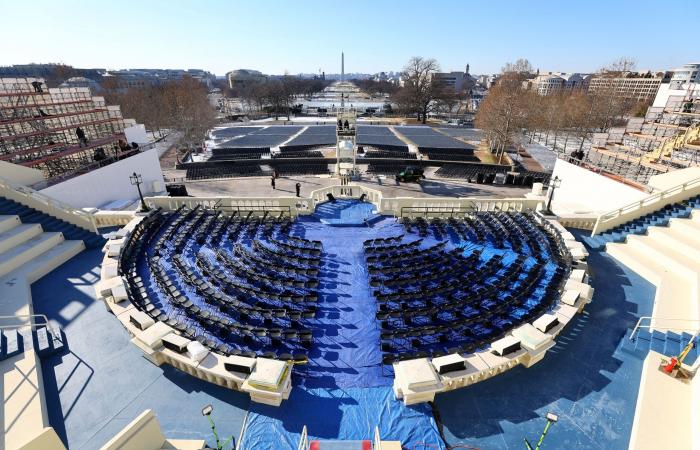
[[342, 66]]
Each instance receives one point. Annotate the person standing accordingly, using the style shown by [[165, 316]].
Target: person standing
[[298, 186], [272, 182], [81, 137]]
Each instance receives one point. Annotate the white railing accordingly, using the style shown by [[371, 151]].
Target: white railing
[[291, 206], [440, 207], [32, 324], [34, 199], [647, 205], [303, 440], [657, 324], [411, 206], [112, 218], [347, 191]]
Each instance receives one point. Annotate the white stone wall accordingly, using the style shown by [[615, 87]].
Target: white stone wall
[[583, 191], [111, 183]]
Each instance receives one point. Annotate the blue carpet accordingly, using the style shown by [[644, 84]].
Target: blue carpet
[[587, 379]]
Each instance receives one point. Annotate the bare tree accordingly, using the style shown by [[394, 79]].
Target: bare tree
[[503, 113], [423, 92], [521, 67]]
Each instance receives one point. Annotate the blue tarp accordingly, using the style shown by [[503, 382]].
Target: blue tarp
[[344, 414]]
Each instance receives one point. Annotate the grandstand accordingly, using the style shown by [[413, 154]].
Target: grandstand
[[38, 126]]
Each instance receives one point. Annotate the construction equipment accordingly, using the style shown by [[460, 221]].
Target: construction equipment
[[671, 144], [673, 366]]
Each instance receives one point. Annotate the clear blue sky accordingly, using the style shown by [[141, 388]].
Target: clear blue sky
[[275, 36]]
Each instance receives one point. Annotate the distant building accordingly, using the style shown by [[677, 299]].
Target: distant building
[[486, 81], [553, 82], [242, 77], [630, 85], [458, 81], [684, 84], [81, 82], [139, 78]]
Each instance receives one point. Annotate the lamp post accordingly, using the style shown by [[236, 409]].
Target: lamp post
[[553, 184], [206, 412], [551, 418], [136, 180]]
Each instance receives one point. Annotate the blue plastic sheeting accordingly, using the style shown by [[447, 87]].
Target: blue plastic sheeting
[[102, 382], [587, 379], [343, 414], [346, 212], [347, 352]]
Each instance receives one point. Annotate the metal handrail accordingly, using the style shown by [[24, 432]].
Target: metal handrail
[[32, 323], [653, 198], [650, 318]]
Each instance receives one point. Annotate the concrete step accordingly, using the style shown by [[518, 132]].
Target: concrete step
[[8, 223], [52, 258], [28, 250], [689, 229], [637, 260], [668, 256], [17, 235], [678, 248]]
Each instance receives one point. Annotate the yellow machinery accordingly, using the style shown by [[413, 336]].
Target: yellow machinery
[[669, 145]]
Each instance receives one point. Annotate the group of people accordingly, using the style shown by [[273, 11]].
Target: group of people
[[578, 154], [273, 183], [342, 125]]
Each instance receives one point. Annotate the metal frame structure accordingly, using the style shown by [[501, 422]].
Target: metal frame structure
[[38, 127]]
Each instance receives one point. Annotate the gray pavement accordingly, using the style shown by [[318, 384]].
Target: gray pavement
[[260, 187]]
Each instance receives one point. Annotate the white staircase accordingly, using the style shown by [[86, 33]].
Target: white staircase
[[26, 254], [21, 243], [668, 257]]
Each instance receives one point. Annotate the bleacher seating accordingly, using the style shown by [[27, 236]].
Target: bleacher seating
[[299, 154], [203, 171]]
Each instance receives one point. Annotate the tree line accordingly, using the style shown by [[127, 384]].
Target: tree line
[[510, 109], [180, 105]]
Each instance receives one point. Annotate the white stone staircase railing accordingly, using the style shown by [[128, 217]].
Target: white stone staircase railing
[[34, 199], [647, 205]]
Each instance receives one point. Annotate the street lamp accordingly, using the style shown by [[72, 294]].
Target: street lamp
[[553, 184], [136, 180], [206, 412], [551, 418]]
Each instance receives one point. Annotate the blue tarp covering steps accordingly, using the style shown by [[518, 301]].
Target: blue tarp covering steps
[[341, 414]]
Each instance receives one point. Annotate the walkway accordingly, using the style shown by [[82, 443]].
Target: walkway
[[342, 394]]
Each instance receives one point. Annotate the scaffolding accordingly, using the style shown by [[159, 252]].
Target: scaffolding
[[667, 138], [346, 148], [38, 127]]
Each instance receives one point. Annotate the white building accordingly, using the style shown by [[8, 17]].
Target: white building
[[553, 82], [459, 81], [244, 76]]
